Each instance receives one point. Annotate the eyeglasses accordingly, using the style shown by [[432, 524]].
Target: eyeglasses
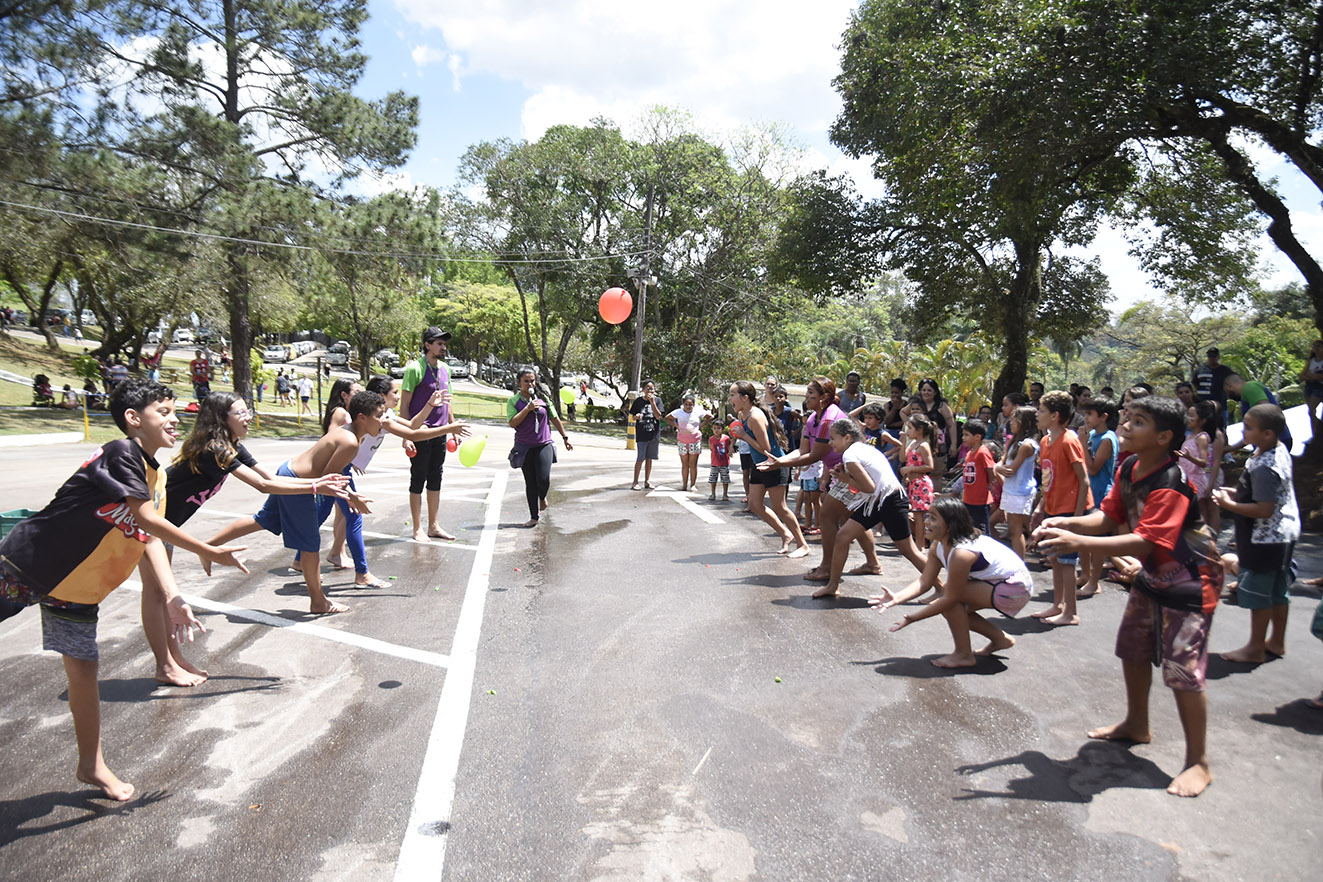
[[241, 414]]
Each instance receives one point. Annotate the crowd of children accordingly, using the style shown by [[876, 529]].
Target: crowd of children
[[1128, 491]]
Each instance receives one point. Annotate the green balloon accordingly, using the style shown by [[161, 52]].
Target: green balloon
[[566, 395], [471, 449]]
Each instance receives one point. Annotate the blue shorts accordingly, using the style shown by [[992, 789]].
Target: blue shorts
[[293, 517], [1262, 589], [809, 485]]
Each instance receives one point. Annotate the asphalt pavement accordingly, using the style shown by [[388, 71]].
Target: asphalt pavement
[[637, 689]]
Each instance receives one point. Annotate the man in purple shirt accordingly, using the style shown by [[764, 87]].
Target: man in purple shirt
[[422, 377]]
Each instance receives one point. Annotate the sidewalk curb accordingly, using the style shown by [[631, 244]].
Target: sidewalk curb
[[41, 439]]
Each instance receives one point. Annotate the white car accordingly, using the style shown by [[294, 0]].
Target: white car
[[183, 335], [154, 335], [276, 352]]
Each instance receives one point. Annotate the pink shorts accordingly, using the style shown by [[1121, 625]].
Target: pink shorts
[[1008, 598], [1175, 640]]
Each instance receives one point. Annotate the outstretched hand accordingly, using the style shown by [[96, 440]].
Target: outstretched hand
[[182, 620], [772, 462], [359, 503], [334, 485], [459, 429], [225, 556], [1056, 540], [885, 600]]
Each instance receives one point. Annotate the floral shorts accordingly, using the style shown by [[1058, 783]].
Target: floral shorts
[[1175, 640], [690, 447], [920, 492]]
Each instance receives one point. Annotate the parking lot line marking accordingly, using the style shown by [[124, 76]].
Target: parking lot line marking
[[689, 504], [423, 851], [435, 659], [368, 534]]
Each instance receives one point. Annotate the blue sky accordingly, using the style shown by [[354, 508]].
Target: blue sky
[[488, 69]]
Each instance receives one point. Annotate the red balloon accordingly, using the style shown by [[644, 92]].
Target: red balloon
[[615, 305], [736, 427], [451, 444]]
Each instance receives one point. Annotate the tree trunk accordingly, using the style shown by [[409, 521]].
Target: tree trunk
[[1020, 302], [241, 329]]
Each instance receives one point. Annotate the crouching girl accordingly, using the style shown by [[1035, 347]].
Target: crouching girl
[[981, 573]]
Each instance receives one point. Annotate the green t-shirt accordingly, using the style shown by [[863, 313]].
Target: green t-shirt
[[1253, 393]]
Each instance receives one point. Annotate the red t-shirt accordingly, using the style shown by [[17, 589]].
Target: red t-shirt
[[977, 464], [719, 446], [1060, 483], [200, 370]]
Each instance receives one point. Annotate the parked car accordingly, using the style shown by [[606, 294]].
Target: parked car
[[387, 358], [337, 354], [154, 336], [87, 317], [276, 352], [303, 347], [183, 335], [459, 370]]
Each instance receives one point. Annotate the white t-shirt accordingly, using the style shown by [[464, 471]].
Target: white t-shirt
[[874, 462], [688, 426], [305, 388], [993, 561], [367, 448]]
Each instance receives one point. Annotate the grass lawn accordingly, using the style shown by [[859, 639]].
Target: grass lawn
[[26, 357]]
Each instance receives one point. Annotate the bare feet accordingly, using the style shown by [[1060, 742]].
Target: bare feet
[[827, 591], [531, 522], [542, 505], [1246, 655], [420, 535], [816, 575], [295, 567], [864, 570], [1052, 610], [1192, 781], [367, 580], [1006, 642], [1275, 649], [1088, 589], [110, 785], [648, 486], [956, 660], [785, 547], [800, 551], [327, 608], [436, 532], [634, 486], [1062, 619], [341, 562], [172, 674], [1122, 731]]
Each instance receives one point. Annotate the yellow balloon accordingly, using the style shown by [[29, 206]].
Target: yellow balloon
[[566, 395], [471, 449]]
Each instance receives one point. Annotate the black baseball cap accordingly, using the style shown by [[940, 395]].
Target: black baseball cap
[[434, 333]]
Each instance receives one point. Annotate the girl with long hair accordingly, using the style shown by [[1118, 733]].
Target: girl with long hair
[[767, 441], [212, 452]]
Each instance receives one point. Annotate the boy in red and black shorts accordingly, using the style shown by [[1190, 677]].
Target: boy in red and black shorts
[[1171, 605]]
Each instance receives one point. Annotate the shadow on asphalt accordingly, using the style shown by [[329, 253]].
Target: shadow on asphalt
[[924, 669], [821, 604], [16, 813], [1023, 624], [1099, 766], [1297, 715], [1219, 668], [146, 688]]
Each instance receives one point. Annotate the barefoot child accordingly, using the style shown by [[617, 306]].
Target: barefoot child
[[981, 573], [295, 517], [207, 457], [1267, 527], [1172, 598], [873, 496], [1065, 494], [979, 475], [917, 472], [1100, 416], [69, 556], [1019, 485]]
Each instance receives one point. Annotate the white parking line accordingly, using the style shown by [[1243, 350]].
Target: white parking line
[[371, 644], [326, 528], [423, 851], [689, 504]]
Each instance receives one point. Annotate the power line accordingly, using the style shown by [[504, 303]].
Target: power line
[[218, 237]]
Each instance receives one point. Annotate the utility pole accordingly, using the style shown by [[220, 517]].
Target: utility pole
[[642, 279]]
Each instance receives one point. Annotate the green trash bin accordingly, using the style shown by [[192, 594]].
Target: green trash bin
[[9, 519]]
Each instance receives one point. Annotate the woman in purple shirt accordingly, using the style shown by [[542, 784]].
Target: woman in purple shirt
[[531, 416]]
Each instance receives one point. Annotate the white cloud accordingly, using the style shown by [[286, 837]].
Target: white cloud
[[728, 61], [424, 55]]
